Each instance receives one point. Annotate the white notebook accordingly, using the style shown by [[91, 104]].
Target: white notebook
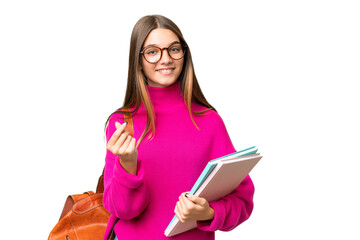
[[228, 173]]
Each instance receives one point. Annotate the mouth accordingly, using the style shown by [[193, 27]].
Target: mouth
[[165, 71]]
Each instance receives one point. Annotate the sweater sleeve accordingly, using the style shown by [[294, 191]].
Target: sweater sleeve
[[125, 195], [236, 207]]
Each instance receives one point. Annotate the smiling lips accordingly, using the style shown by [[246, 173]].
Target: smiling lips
[[165, 71]]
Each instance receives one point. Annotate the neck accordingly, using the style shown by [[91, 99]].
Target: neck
[[166, 97]]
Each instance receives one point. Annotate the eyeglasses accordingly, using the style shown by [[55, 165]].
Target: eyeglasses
[[153, 54]]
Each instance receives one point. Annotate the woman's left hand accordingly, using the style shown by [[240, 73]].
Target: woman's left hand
[[193, 208]]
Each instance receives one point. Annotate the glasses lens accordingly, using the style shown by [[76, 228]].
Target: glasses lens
[[176, 51], [152, 54]]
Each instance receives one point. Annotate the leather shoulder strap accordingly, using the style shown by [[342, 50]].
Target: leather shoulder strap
[[129, 127], [128, 118]]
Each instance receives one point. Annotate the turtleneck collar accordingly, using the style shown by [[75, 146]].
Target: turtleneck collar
[[166, 97]]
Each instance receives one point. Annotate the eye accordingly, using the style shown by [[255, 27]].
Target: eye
[[176, 49], [151, 51]]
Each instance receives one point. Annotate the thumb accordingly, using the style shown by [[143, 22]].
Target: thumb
[[195, 199], [117, 124]]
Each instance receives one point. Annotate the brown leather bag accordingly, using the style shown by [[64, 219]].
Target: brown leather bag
[[84, 216]]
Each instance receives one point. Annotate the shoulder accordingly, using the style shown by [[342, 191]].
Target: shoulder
[[208, 113], [213, 127], [210, 119], [115, 117], [214, 116]]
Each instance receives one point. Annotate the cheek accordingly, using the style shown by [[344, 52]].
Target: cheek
[[181, 65], [147, 68]]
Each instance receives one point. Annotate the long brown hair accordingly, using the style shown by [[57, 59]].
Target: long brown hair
[[136, 91]]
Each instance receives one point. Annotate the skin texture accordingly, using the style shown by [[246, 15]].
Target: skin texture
[[193, 208], [162, 38], [123, 145]]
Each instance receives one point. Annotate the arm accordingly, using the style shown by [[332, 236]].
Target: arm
[[230, 211], [235, 208], [125, 195], [224, 214]]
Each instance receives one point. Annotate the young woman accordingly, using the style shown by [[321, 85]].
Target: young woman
[[176, 133]]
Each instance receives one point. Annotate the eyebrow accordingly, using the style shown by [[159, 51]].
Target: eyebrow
[[152, 45]]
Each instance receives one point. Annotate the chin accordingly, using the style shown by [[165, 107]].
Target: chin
[[162, 83]]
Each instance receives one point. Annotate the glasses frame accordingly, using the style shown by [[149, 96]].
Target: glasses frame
[[161, 52]]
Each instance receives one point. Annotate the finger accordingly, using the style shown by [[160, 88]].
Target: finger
[[119, 143], [186, 198], [119, 129], [132, 145], [131, 148], [183, 207], [125, 145], [187, 203], [178, 212], [189, 209], [181, 212], [196, 200]]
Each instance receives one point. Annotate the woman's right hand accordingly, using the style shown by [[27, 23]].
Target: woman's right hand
[[123, 145]]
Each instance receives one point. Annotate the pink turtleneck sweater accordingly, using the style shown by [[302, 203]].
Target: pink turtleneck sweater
[[169, 165]]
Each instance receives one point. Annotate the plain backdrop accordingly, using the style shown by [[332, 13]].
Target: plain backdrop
[[282, 74]]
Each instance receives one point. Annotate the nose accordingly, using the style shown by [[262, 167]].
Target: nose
[[165, 57]]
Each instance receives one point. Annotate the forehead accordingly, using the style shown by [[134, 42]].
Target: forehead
[[161, 37]]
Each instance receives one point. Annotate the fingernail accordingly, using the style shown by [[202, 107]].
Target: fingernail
[[187, 195], [125, 123]]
